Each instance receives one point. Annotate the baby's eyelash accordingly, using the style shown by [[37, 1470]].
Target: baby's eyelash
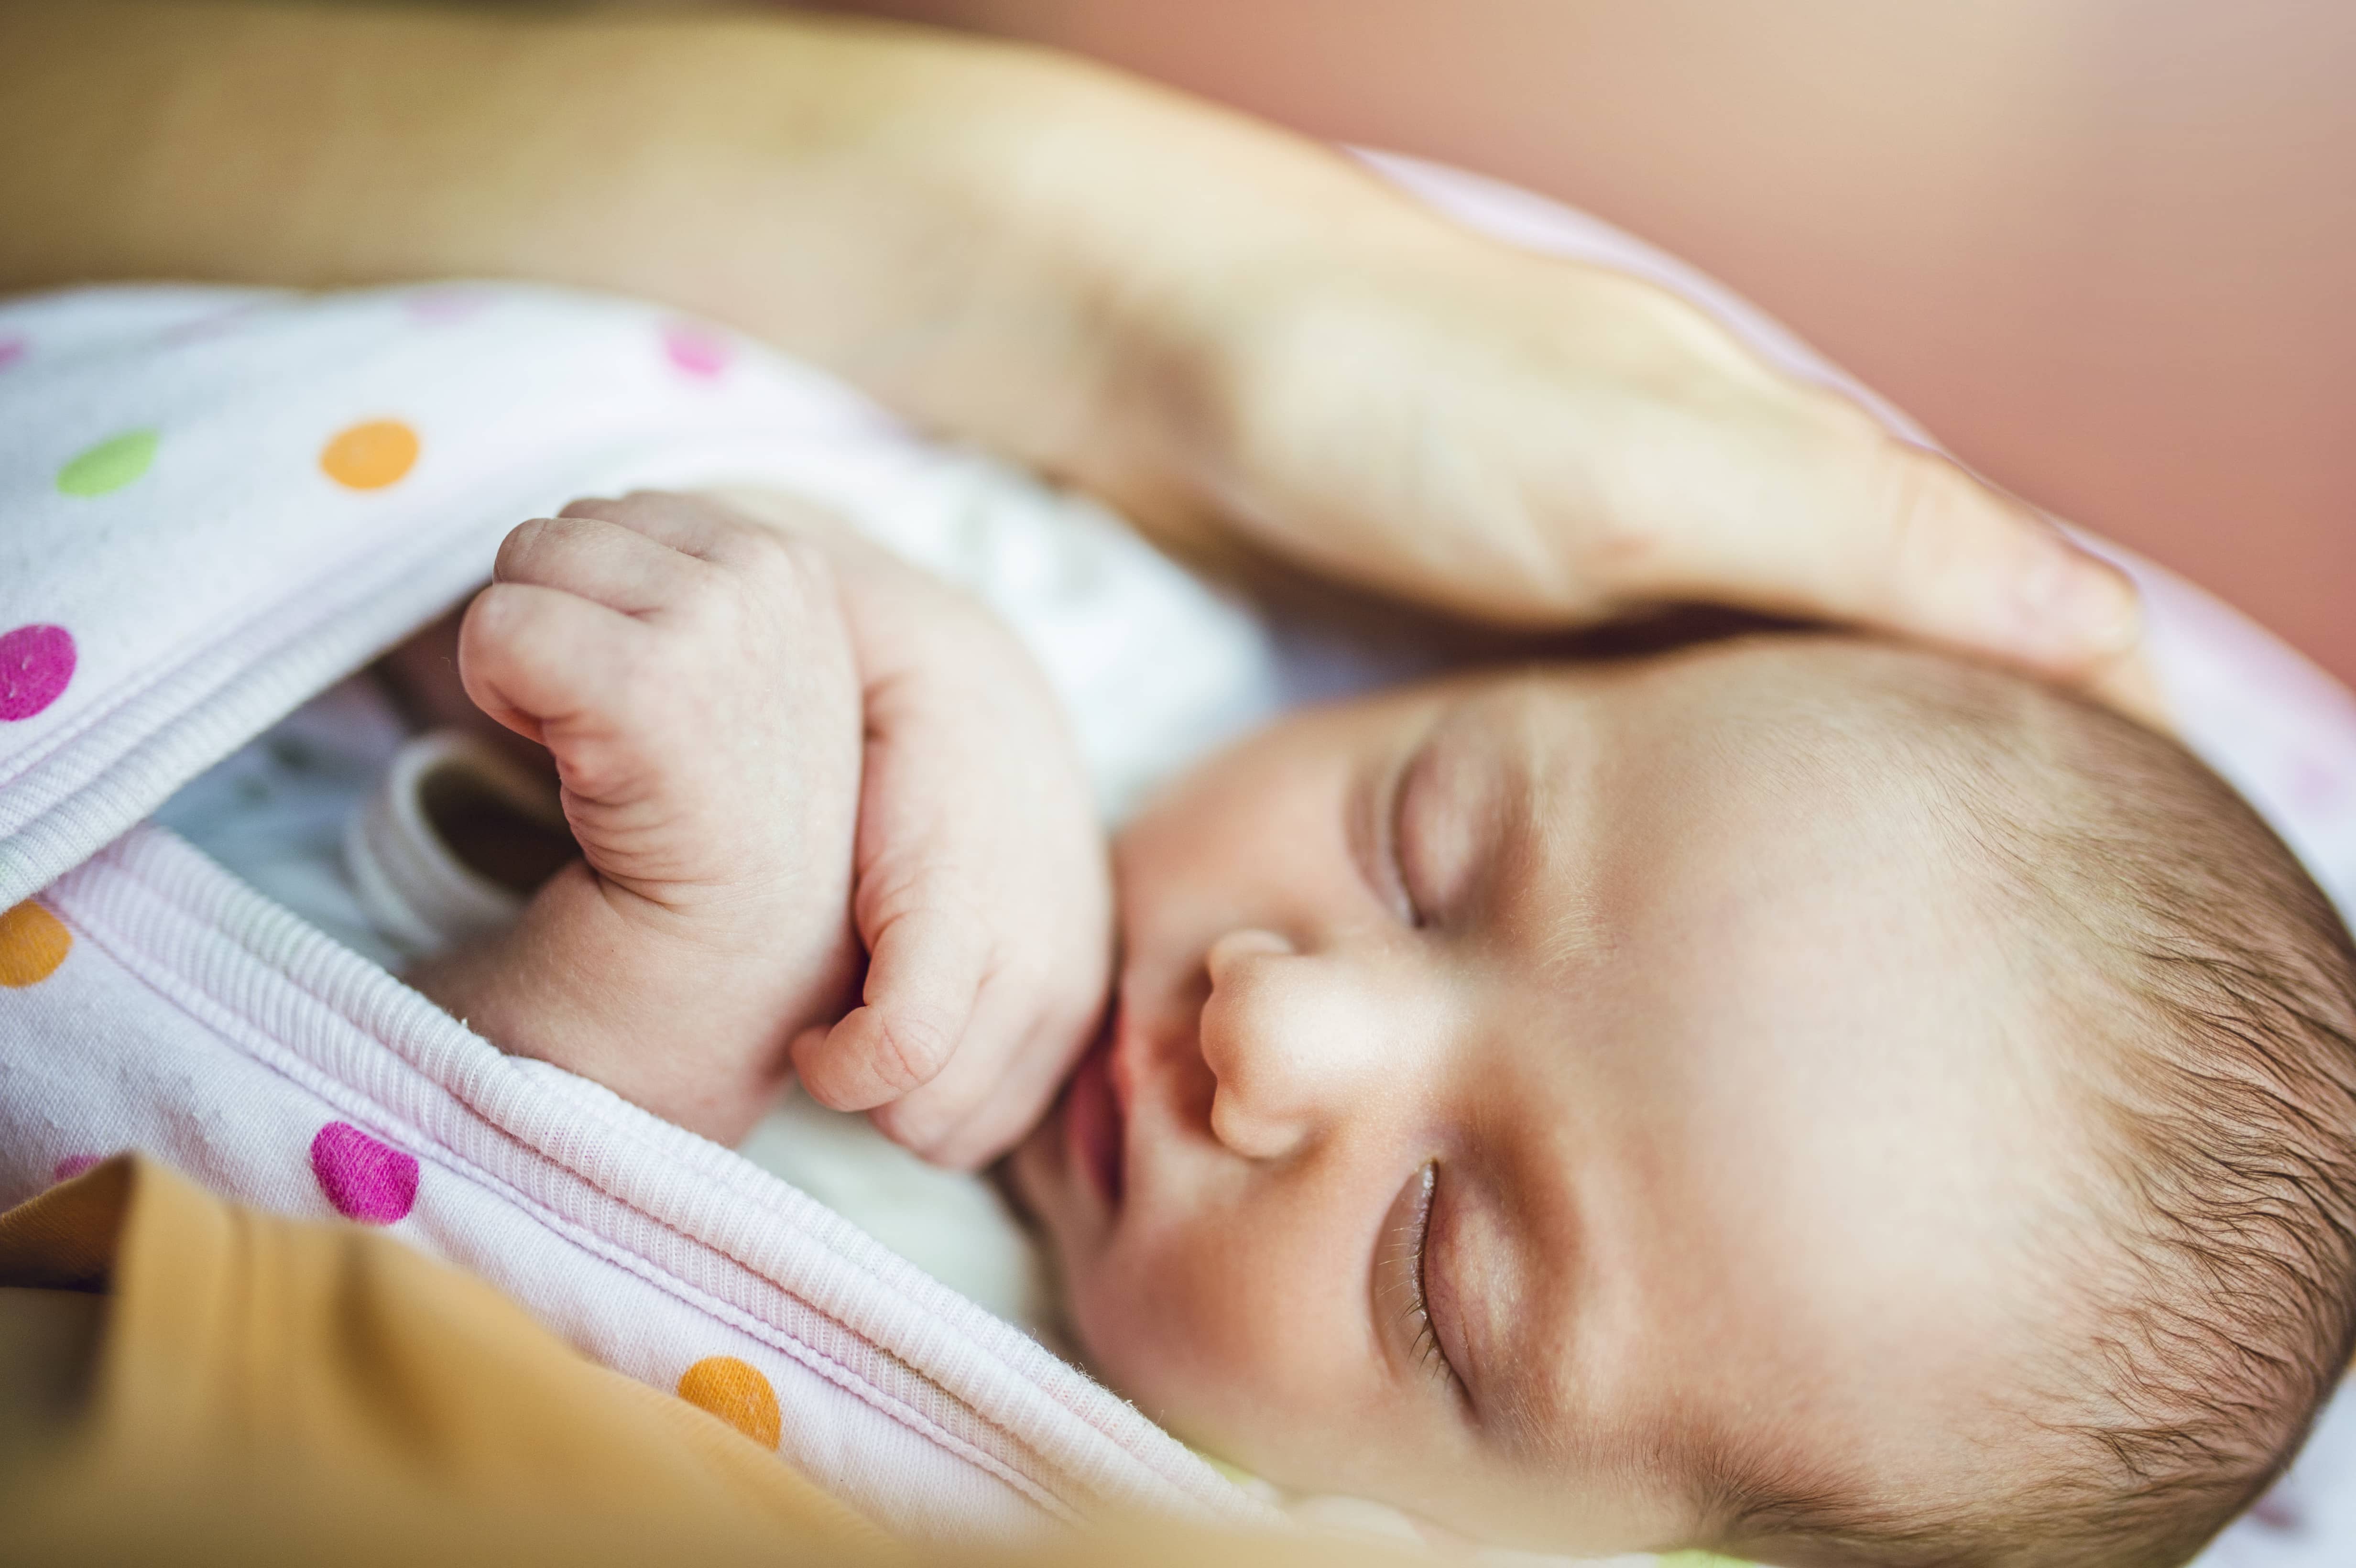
[[1412, 1245]]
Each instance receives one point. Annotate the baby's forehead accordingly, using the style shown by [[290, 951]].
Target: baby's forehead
[[1758, 895], [1776, 745]]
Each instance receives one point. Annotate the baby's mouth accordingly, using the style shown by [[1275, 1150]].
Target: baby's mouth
[[1092, 1120]]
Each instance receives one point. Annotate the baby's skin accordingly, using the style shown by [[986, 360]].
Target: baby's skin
[[1561, 1103], [832, 825], [1534, 1098]]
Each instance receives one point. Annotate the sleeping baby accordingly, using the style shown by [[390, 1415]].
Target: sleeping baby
[[1794, 1096]]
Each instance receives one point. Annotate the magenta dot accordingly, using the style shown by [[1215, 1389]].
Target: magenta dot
[[73, 1165], [36, 662], [697, 351], [365, 1180], [13, 348]]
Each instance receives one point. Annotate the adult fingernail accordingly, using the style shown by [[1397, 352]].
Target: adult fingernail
[[2074, 604]]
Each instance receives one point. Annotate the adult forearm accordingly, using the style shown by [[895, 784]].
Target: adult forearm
[[1226, 330], [953, 224], [729, 167]]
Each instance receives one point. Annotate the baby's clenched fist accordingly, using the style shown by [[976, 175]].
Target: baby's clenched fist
[[690, 673]]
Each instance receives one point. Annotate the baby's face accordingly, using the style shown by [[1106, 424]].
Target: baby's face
[[1569, 1105]]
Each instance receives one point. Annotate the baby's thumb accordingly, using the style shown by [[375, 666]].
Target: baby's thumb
[[924, 973]]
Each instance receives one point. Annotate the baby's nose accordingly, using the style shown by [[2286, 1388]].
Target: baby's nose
[[1281, 1035]]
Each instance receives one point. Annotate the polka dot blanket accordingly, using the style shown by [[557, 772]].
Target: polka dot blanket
[[219, 502]]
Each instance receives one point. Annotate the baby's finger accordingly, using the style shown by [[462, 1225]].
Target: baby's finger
[[994, 1089], [925, 970], [692, 525], [617, 567], [536, 658]]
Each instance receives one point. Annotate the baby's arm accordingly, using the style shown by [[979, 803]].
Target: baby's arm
[[983, 889], [766, 732]]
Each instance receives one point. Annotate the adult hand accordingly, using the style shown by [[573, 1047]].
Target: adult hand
[[1534, 442], [1227, 329]]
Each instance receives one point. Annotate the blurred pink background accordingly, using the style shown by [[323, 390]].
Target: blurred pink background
[[2101, 247]]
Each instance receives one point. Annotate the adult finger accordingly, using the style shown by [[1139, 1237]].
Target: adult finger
[[1814, 510]]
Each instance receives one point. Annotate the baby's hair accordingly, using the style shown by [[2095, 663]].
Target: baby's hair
[[2229, 1088], [2207, 994]]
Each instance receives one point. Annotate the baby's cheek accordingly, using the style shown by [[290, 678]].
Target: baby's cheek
[[1201, 1341]]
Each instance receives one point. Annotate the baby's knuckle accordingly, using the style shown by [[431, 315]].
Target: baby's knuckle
[[524, 548], [910, 1048], [710, 614], [598, 509], [796, 567]]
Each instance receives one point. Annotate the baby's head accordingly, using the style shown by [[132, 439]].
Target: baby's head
[[1798, 1096]]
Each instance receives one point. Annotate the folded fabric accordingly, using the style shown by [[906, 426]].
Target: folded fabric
[[270, 1391]]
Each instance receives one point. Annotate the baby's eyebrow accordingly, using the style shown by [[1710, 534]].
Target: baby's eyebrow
[[1542, 850]]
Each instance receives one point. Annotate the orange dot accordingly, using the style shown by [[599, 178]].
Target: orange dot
[[33, 943], [737, 1393], [370, 455]]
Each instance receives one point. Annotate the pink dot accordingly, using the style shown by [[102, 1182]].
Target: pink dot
[[697, 351], [12, 348], [365, 1180], [36, 662], [73, 1165]]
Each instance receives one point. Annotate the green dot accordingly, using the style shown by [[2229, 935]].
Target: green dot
[[111, 464]]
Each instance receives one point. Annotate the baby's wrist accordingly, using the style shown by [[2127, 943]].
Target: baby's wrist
[[692, 1032]]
